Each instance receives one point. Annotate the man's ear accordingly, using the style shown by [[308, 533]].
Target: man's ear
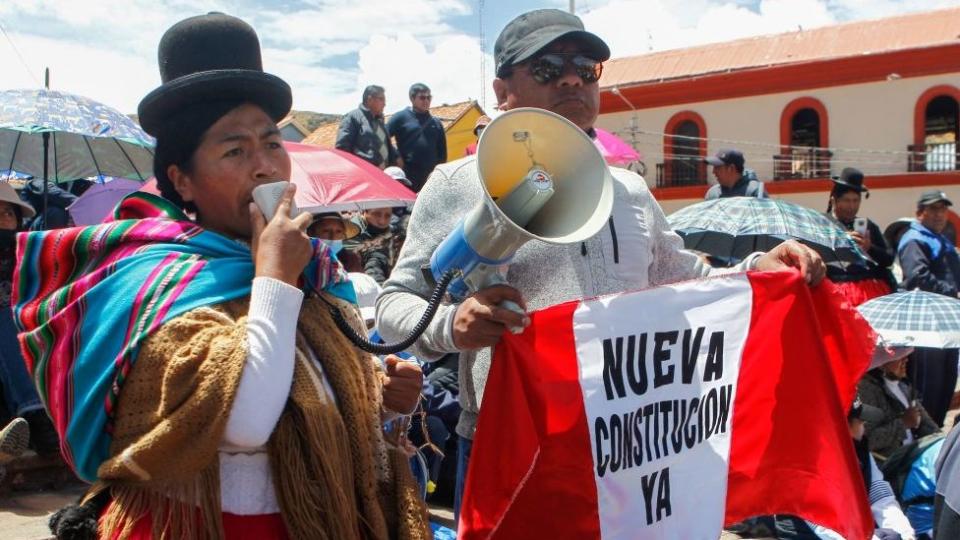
[[181, 182], [500, 90]]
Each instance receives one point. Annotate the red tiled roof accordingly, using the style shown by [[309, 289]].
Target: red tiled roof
[[914, 31]]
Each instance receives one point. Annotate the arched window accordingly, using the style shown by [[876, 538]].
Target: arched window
[[936, 126], [804, 138], [805, 128], [684, 147]]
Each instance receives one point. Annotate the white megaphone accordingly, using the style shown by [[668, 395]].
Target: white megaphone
[[542, 179]]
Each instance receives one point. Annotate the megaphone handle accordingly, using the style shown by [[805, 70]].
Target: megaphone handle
[[514, 307]]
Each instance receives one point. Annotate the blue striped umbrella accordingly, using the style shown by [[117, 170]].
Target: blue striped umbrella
[[61, 137], [915, 319], [734, 227]]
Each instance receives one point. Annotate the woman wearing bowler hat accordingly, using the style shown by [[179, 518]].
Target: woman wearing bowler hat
[[874, 279], [192, 382]]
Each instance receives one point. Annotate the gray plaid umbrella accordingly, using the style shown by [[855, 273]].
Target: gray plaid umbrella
[[915, 318], [734, 227]]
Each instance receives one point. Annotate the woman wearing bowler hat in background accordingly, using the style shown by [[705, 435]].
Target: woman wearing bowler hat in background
[[859, 283], [211, 399]]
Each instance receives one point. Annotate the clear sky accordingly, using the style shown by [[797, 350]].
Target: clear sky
[[328, 50]]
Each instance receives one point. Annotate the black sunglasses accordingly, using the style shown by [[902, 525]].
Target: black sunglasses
[[549, 67]]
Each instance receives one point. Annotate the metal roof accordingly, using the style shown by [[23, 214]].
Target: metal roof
[[918, 30]]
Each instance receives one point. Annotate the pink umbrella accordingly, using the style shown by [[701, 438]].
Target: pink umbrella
[[151, 186], [613, 148], [99, 201], [334, 181]]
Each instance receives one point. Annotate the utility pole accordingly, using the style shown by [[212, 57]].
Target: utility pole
[[573, 6]]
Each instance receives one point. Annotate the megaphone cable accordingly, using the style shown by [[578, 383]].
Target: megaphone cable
[[391, 348]]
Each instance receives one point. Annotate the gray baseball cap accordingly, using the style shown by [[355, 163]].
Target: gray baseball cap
[[529, 33]]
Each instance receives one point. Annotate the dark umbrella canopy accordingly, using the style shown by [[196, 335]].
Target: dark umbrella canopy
[[83, 137], [734, 227]]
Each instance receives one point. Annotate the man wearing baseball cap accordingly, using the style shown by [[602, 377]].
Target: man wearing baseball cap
[[733, 180], [930, 263], [544, 58]]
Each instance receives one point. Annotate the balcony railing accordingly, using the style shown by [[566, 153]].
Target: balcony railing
[[933, 157], [802, 163], [677, 172]]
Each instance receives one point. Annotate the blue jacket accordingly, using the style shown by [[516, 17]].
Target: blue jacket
[[929, 262]]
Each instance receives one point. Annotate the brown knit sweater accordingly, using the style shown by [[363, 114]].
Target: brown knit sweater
[[336, 475]]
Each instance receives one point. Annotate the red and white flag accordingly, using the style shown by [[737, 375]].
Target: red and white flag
[[670, 412]]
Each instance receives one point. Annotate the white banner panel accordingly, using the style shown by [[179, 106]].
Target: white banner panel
[[658, 389]]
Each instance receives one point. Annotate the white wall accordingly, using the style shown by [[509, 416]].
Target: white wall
[[870, 125]]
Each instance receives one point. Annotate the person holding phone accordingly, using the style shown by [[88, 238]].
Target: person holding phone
[[845, 198], [209, 397], [859, 282]]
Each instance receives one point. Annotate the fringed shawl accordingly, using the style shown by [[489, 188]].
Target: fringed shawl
[[86, 298], [335, 474]]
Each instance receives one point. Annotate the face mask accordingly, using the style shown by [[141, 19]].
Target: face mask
[[334, 245]]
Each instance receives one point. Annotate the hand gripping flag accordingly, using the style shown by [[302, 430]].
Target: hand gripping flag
[[670, 412]]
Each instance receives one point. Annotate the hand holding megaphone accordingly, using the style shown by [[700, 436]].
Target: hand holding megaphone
[[281, 248], [482, 317], [543, 179]]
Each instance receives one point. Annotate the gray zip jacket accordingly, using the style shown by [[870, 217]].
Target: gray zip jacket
[[635, 250]]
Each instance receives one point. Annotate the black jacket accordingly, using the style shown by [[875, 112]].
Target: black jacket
[[881, 254], [887, 435], [358, 135]]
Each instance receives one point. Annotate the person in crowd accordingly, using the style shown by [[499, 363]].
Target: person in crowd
[[57, 201], [946, 502], [334, 229], [421, 139], [845, 198], [397, 174], [477, 129], [378, 243], [20, 396], [930, 263], [544, 58], [904, 419], [402, 213], [363, 132], [240, 409], [859, 282], [733, 180]]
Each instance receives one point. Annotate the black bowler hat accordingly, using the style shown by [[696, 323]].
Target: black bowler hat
[[531, 32], [208, 58], [851, 178]]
